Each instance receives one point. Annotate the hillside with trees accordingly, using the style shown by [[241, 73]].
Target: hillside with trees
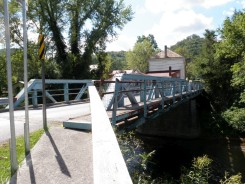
[[220, 65]]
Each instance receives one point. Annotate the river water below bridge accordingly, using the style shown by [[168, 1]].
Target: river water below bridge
[[171, 136], [228, 154]]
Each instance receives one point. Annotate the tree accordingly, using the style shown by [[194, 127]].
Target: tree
[[118, 60], [215, 72], [232, 51], [137, 59], [3, 72], [103, 18], [104, 65], [150, 38], [191, 47]]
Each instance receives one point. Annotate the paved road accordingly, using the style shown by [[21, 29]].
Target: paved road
[[54, 115]]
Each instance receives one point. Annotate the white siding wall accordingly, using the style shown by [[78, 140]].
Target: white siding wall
[[164, 64]]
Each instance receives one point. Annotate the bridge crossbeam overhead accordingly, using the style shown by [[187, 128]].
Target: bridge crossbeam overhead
[[131, 95]]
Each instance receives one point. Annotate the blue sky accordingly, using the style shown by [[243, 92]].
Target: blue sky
[[173, 20]]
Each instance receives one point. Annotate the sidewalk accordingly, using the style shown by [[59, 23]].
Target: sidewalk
[[61, 156]]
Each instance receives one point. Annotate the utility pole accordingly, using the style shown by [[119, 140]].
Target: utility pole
[[13, 156], [26, 126]]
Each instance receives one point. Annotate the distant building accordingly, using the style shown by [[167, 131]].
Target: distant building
[[167, 64]]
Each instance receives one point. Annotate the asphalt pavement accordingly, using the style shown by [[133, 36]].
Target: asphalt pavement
[[58, 113]]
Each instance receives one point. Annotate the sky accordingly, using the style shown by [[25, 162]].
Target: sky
[[171, 21]]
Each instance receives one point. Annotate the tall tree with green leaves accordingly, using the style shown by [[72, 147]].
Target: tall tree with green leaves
[[90, 24], [150, 38], [118, 60], [232, 51], [137, 59]]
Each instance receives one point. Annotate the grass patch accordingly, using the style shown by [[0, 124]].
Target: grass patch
[[5, 171]]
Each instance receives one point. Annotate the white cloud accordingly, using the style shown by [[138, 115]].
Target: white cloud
[[123, 42], [215, 3], [171, 20], [243, 4], [229, 12], [158, 6], [177, 26]]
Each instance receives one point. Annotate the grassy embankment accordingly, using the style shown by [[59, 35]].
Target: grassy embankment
[[5, 171]]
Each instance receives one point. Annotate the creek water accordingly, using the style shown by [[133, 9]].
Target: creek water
[[228, 154], [173, 152]]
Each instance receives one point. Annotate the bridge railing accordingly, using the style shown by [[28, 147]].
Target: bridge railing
[[131, 91], [56, 91]]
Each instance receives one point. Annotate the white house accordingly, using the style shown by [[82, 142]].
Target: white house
[[167, 64]]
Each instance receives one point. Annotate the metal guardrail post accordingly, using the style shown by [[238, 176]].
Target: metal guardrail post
[[156, 90], [162, 102], [174, 91], [34, 98], [142, 92], [181, 90], [115, 104], [101, 88], [145, 105], [66, 92]]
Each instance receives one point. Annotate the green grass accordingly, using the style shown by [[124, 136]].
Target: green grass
[[5, 171]]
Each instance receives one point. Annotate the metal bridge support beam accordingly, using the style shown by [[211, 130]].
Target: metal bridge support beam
[[115, 104], [145, 105], [142, 92], [151, 92], [48, 95], [81, 92], [162, 91], [181, 86], [174, 91], [34, 99], [120, 100], [66, 92], [157, 90]]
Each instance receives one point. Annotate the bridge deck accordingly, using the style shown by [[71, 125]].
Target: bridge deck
[[124, 113]]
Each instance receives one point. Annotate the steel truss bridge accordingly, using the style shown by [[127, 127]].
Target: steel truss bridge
[[126, 97], [127, 101]]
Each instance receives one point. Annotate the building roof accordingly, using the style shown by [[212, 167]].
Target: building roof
[[170, 54]]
